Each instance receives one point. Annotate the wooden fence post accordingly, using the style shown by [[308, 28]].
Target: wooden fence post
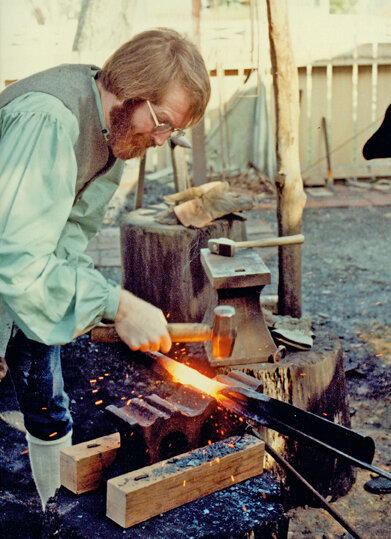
[[290, 193]]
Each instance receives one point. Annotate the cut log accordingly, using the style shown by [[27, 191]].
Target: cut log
[[161, 263], [314, 381], [139, 495]]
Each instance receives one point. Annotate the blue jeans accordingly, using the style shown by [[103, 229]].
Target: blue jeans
[[36, 373]]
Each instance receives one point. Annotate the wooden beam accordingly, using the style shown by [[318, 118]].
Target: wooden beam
[[198, 132], [290, 193], [179, 165], [82, 465], [142, 494]]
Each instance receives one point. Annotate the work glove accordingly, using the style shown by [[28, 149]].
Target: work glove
[[200, 206]]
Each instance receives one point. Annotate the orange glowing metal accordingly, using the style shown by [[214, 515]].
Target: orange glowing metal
[[188, 376]]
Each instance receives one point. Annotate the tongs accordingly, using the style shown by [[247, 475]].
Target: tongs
[[300, 424]]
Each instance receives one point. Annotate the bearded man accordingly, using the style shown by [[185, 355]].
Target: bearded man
[[64, 134]]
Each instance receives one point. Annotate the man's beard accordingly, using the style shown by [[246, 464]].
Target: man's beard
[[123, 141]]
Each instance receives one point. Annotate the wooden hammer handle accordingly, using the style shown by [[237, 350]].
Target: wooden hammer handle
[[186, 332], [271, 242]]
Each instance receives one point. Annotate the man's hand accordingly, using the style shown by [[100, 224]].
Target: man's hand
[[140, 325]]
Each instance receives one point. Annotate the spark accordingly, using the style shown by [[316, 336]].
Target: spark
[[52, 434], [184, 482], [93, 381], [98, 402], [95, 390], [303, 374], [244, 508], [24, 452], [128, 402], [232, 479]]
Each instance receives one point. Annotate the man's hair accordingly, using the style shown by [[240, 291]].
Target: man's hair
[[147, 65]]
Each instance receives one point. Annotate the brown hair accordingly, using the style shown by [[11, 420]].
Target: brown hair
[[146, 66]]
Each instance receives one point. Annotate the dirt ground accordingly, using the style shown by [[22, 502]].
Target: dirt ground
[[346, 287], [346, 271]]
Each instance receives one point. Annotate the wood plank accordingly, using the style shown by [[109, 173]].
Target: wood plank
[[342, 129], [315, 172], [365, 126], [82, 465], [303, 119], [139, 495], [179, 165]]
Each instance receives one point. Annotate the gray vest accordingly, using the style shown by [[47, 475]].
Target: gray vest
[[73, 86], [71, 83]]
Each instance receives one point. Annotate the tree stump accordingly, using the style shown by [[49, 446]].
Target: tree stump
[[314, 381], [161, 263]]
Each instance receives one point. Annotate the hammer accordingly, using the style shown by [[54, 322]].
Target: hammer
[[222, 333], [226, 247]]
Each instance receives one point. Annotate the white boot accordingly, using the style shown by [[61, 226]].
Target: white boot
[[45, 464]]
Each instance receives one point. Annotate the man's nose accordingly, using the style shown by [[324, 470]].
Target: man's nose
[[161, 138]]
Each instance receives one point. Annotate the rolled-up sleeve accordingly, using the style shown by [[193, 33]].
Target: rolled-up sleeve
[[47, 284]]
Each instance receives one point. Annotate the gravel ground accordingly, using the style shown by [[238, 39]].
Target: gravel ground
[[346, 270], [346, 287]]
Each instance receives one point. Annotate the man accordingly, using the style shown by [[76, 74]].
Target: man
[[64, 134]]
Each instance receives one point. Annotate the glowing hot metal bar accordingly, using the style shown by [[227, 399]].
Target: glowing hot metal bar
[[280, 416], [188, 376]]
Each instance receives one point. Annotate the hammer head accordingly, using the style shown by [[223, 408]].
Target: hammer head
[[222, 246], [224, 331], [178, 139]]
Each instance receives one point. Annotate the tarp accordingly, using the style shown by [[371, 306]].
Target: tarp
[[243, 134]]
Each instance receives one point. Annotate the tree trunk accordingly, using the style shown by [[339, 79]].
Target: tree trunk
[[161, 263], [290, 194], [313, 381]]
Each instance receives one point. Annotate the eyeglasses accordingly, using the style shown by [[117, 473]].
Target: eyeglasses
[[161, 128]]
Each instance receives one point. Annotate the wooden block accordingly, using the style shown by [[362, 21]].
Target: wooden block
[[82, 465], [142, 494]]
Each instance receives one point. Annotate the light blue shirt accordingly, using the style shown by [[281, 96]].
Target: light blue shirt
[[48, 285]]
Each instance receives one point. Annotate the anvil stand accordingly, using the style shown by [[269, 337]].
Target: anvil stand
[[238, 281]]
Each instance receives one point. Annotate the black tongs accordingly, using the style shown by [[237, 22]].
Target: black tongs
[[258, 408]]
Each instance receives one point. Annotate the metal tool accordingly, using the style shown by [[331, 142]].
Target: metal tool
[[177, 143], [238, 282], [302, 425], [222, 333], [226, 247], [290, 469], [259, 409]]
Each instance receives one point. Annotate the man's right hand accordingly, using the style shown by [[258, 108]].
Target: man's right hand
[[140, 325]]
